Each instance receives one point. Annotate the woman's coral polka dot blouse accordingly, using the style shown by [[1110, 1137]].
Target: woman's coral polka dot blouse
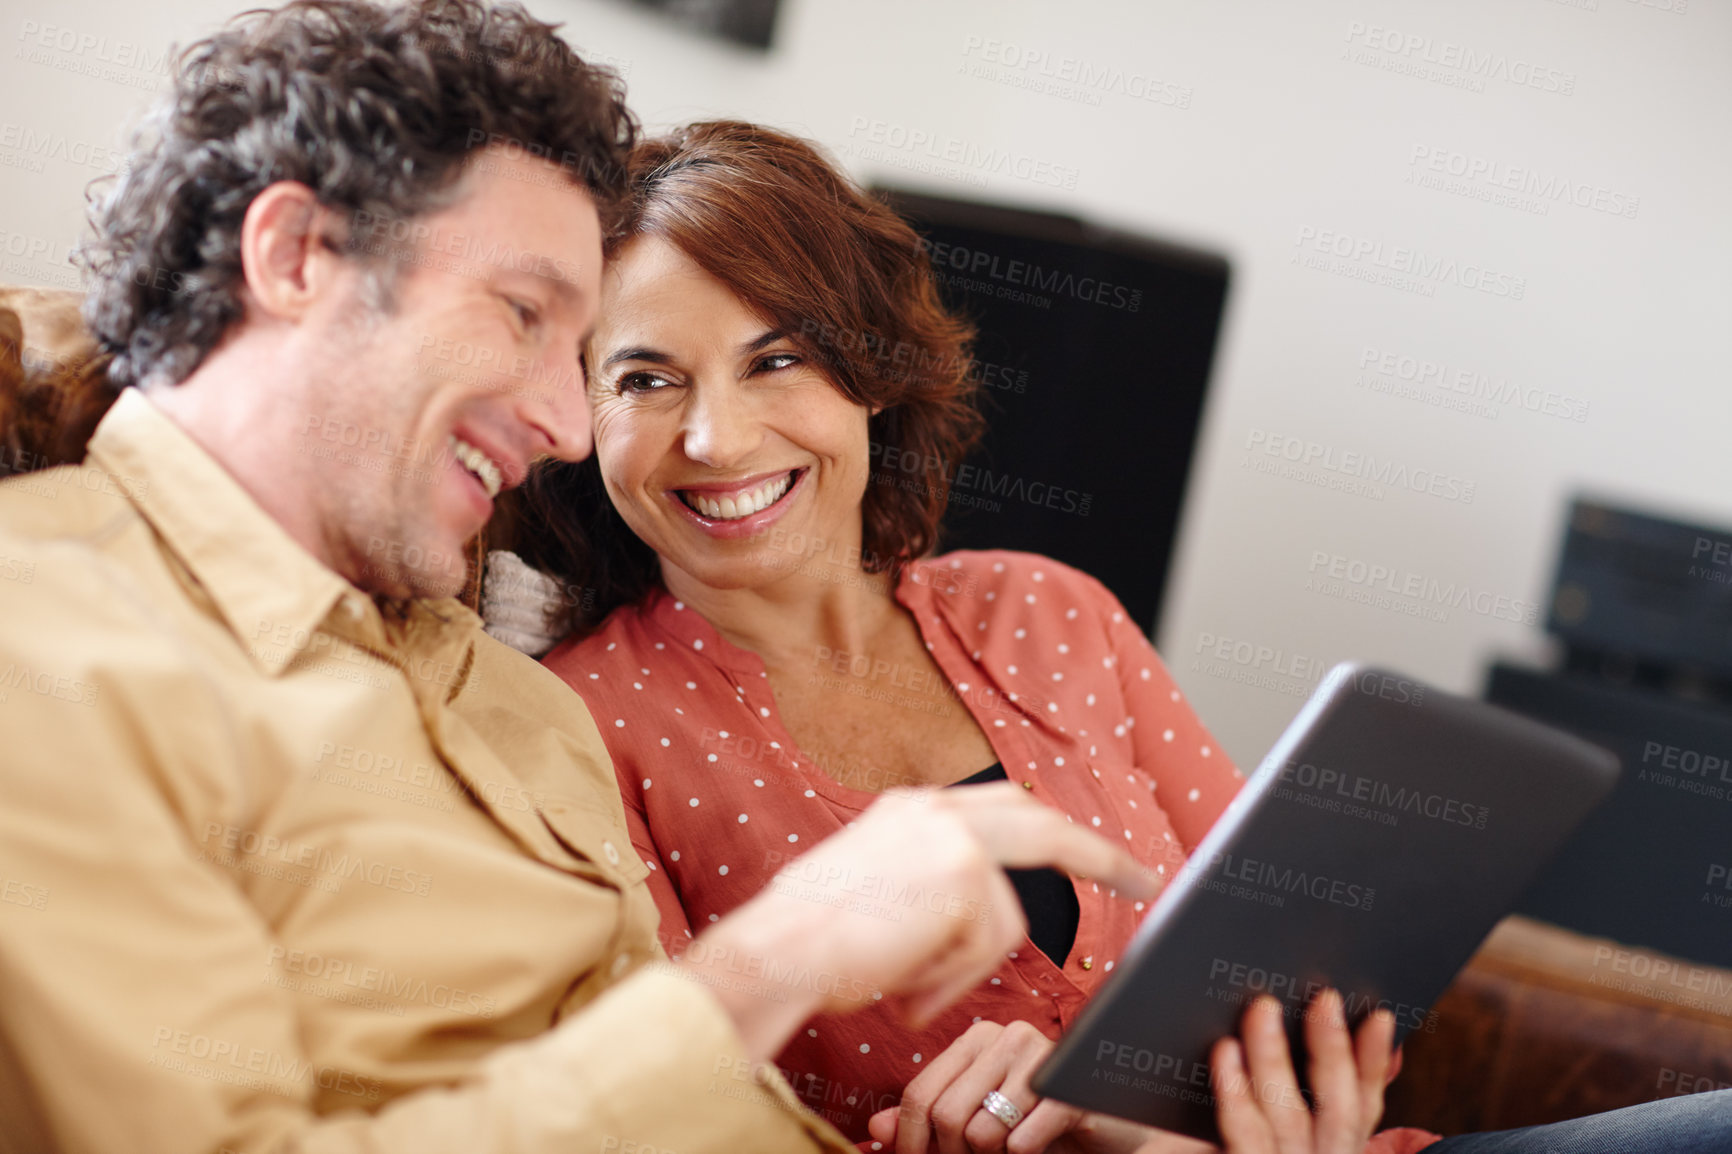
[[1077, 706]]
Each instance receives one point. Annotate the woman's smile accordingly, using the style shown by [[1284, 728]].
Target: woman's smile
[[739, 508]]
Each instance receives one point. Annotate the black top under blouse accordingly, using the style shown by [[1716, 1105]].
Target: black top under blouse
[[1048, 897]]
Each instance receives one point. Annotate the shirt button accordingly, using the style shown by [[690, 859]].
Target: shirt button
[[621, 964], [612, 854], [1087, 965], [1028, 785]]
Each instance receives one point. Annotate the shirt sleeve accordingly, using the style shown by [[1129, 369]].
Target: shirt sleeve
[[1193, 776], [675, 931], [133, 1016]]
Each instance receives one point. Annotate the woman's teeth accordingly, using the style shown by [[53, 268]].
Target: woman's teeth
[[478, 463], [737, 505]]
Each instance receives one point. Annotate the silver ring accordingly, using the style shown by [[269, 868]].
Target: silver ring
[[1001, 1108]]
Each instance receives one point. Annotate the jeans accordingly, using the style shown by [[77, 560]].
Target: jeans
[[1690, 1124]]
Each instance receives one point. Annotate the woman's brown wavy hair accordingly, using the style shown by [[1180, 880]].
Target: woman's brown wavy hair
[[849, 281]]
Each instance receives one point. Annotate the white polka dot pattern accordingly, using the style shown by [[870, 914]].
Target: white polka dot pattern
[[1050, 659]]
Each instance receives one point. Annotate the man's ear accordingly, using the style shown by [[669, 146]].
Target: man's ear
[[287, 255]]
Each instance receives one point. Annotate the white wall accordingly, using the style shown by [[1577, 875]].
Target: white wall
[[1272, 120]]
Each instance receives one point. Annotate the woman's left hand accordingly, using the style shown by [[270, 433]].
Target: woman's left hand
[[1259, 1105], [942, 1108]]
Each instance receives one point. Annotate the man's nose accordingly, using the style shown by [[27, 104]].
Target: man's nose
[[556, 407]]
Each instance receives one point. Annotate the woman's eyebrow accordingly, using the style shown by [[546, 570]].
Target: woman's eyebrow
[[653, 356], [768, 338], [657, 357]]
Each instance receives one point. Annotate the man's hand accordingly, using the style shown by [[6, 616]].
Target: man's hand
[[910, 904], [1261, 1111]]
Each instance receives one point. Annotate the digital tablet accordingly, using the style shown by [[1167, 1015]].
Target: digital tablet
[[1372, 851]]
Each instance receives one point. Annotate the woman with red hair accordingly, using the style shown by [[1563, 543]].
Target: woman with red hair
[[767, 643]]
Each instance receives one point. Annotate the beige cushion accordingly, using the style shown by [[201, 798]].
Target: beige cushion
[[54, 333]]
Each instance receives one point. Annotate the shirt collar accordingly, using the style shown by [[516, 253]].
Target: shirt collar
[[917, 589], [263, 583]]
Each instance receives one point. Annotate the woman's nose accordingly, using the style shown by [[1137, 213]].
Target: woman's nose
[[720, 428]]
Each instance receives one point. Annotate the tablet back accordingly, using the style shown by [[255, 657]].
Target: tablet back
[[1378, 843]]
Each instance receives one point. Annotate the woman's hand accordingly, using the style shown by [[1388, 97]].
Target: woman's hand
[[942, 1107], [1261, 1111]]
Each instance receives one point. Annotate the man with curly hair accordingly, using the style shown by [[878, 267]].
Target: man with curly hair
[[292, 856]]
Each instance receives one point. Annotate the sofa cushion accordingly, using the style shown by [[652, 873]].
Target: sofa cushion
[[1546, 1024], [53, 380]]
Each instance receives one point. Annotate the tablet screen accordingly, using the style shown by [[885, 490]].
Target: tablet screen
[[1372, 851]]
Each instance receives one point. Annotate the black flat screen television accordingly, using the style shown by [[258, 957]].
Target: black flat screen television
[[1094, 352], [748, 22]]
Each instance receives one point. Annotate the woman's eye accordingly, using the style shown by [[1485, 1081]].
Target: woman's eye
[[641, 382], [527, 315], [778, 361]]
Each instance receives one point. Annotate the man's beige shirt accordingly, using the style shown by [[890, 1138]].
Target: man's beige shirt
[[281, 872]]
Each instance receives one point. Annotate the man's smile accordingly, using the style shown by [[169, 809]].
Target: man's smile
[[484, 468]]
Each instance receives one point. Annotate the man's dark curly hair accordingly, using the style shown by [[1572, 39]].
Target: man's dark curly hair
[[374, 106]]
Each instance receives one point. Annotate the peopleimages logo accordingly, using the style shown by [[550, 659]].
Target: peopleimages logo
[[1467, 63], [44, 146], [905, 360], [82, 43], [1299, 993], [965, 482], [1358, 466], [1424, 591], [1265, 877], [1368, 259], [1066, 77], [1029, 275], [1719, 553], [1657, 976], [1673, 1083], [1307, 783], [1470, 384], [1473, 170], [1262, 658], [1689, 770], [34, 248], [974, 159]]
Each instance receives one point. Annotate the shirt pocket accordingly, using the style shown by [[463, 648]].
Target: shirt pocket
[[597, 839]]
